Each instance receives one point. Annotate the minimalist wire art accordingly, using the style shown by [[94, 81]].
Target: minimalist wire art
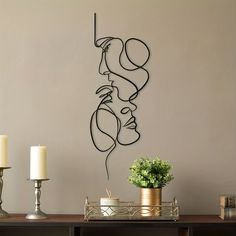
[[113, 122]]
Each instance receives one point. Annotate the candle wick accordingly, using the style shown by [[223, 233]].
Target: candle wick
[[108, 193]]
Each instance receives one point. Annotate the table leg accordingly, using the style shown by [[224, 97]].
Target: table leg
[[185, 232]]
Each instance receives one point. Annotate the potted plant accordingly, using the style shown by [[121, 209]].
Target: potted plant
[[150, 175]]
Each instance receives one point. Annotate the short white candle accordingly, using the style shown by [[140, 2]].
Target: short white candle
[[3, 151], [38, 162], [112, 204]]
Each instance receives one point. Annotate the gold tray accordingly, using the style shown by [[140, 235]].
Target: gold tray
[[131, 211]]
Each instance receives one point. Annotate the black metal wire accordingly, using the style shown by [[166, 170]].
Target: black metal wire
[[106, 92]]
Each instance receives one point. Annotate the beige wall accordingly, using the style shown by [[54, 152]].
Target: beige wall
[[186, 114]]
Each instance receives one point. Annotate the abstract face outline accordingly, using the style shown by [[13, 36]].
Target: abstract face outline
[[124, 112], [116, 65], [114, 121]]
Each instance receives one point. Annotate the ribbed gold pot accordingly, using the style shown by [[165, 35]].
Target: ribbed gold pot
[[150, 198]]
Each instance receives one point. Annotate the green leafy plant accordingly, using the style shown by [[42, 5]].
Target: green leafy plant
[[147, 173]]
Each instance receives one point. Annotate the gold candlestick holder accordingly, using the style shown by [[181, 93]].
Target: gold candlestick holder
[[3, 214], [37, 214]]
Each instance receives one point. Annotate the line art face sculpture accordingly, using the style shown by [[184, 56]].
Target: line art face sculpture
[[114, 121]]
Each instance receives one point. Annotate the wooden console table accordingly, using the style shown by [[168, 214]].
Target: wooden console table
[[74, 225]]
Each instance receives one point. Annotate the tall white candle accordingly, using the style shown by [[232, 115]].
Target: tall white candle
[[38, 162], [3, 151]]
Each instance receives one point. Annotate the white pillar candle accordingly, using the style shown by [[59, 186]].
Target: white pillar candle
[[38, 162], [109, 206], [3, 151]]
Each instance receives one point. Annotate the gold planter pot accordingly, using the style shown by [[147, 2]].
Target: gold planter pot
[[151, 199]]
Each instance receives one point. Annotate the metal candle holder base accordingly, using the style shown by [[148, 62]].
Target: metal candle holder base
[[3, 214], [37, 214]]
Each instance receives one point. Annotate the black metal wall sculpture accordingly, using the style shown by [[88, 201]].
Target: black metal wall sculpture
[[113, 122]]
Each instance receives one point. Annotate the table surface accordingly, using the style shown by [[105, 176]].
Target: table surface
[[78, 220]]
